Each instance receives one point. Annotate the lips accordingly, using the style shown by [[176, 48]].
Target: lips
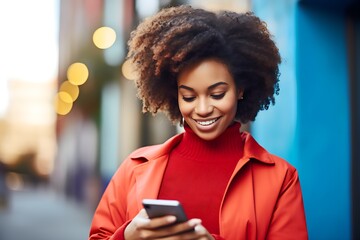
[[207, 122]]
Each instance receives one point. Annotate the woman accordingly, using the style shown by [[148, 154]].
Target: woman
[[210, 72]]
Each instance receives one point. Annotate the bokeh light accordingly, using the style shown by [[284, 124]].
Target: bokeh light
[[65, 97], [63, 107], [128, 70], [14, 181], [71, 89], [77, 73], [104, 37]]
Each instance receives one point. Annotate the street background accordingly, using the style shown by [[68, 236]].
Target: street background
[[69, 113]]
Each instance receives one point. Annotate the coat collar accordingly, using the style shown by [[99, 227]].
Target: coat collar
[[252, 150]]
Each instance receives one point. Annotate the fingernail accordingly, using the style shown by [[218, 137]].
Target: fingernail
[[194, 222], [171, 218], [199, 229]]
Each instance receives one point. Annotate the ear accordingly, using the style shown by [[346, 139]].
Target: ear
[[240, 94]]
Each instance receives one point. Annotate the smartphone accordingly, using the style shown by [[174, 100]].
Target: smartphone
[[159, 207]]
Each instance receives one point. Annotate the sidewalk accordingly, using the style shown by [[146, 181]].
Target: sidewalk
[[42, 214]]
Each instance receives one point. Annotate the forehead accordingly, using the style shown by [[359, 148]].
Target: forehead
[[206, 72]]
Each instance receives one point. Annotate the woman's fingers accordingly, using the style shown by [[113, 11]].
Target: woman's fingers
[[202, 232], [179, 229], [141, 227], [199, 232], [158, 222], [189, 230]]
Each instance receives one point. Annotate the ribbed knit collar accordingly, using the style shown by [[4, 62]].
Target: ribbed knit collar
[[228, 143]]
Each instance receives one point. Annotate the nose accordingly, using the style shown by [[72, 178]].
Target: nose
[[203, 107]]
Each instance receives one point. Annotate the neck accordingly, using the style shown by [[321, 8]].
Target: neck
[[199, 149]]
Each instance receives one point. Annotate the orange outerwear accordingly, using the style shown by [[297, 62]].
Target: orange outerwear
[[262, 200]]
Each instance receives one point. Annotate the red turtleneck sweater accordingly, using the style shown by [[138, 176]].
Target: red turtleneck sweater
[[198, 172]]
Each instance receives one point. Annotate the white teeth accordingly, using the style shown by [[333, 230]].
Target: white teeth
[[206, 123]]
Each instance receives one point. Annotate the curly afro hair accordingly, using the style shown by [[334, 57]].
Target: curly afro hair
[[164, 44]]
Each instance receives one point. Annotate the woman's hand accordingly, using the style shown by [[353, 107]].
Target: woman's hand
[[141, 227]]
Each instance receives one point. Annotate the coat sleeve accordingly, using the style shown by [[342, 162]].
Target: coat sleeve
[[109, 220], [288, 220]]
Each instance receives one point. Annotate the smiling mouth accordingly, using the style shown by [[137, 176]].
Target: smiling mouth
[[208, 122]]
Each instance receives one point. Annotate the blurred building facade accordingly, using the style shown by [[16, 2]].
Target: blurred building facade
[[26, 133], [28, 69], [314, 124]]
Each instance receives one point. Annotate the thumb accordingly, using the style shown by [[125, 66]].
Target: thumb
[[143, 213]]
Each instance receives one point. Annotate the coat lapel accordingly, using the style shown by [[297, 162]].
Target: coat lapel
[[148, 177]]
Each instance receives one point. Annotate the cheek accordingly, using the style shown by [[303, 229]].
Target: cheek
[[229, 105], [229, 109], [185, 109]]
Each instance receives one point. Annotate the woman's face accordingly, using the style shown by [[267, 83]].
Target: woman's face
[[207, 98]]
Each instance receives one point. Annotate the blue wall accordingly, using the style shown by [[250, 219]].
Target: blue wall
[[324, 121], [275, 128], [310, 123]]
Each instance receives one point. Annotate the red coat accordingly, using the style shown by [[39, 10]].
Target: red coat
[[263, 198]]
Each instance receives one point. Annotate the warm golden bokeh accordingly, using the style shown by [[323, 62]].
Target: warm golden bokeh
[[71, 89], [104, 37], [77, 73], [63, 107], [128, 71], [65, 97]]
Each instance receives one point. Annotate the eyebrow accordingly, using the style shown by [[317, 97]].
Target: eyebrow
[[209, 88]]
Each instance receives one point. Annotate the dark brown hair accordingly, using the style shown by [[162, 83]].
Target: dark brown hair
[[162, 45]]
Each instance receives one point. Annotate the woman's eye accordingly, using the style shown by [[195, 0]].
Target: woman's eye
[[218, 96], [188, 99]]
